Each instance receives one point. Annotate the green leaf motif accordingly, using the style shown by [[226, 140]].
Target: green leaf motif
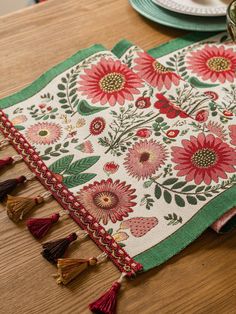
[[179, 200], [158, 192], [61, 164], [191, 200], [81, 178], [196, 83], [170, 181], [81, 165], [19, 127], [86, 110], [167, 197]]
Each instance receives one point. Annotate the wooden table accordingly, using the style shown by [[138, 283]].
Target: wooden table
[[199, 280]]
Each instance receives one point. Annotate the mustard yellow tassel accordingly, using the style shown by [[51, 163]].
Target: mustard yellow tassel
[[70, 268], [17, 206]]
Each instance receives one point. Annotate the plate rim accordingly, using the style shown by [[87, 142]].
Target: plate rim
[[143, 13], [156, 2]]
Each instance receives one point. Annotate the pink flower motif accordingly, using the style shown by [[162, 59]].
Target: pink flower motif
[[168, 108], [232, 134], [204, 159], [97, 126], [42, 106], [19, 119], [109, 81], [213, 63], [154, 73], [139, 226], [110, 167], [217, 129], [85, 147], [43, 133], [108, 200], [144, 133], [202, 116], [145, 158]]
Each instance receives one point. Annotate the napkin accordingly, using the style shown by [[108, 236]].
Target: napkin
[[170, 73]]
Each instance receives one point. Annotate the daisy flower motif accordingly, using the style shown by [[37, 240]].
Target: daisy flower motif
[[97, 126], [44, 133], [204, 159], [155, 73], [214, 63], [145, 158], [108, 200], [109, 81]]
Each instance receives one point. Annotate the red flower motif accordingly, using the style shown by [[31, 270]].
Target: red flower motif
[[172, 133], [204, 159], [168, 108], [108, 200], [110, 167], [109, 81], [202, 115], [97, 126], [143, 102], [42, 106], [211, 95], [143, 133], [213, 63], [227, 113], [49, 108], [154, 73]]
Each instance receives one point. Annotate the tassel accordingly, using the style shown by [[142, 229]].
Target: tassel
[[39, 227], [70, 268], [8, 186], [56, 249], [17, 206], [106, 304], [9, 161]]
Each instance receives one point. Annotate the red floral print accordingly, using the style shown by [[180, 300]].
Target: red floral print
[[155, 73], [213, 63], [97, 126], [108, 200], [109, 81], [169, 109], [204, 159], [143, 102]]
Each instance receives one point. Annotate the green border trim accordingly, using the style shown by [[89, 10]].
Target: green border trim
[[176, 242], [48, 76], [159, 51]]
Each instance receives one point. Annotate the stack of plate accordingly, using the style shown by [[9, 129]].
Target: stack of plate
[[194, 15]]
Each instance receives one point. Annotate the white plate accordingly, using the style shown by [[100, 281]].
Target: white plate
[[196, 7]]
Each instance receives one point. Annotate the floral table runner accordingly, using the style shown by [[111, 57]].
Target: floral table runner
[[122, 156]]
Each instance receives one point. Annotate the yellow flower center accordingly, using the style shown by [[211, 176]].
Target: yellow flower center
[[219, 64], [159, 67], [204, 158], [112, 82], [106, 200]]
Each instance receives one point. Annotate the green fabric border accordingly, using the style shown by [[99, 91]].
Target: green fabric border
[[164, 250], [48, 76], [120, 48]]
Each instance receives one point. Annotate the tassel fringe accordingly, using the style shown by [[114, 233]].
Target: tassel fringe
[[107, 303], [8, 186], [56, 249], [4, 143], [39, 227]]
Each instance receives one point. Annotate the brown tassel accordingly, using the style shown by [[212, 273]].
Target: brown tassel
[[18, 207], [70, 268], [107, 302], [8, 186], [9, 161]]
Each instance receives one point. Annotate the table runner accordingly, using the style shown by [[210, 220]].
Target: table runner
[[171, 57], [113, 150]]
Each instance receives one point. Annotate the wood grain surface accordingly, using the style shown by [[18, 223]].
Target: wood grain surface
[[201, 279]]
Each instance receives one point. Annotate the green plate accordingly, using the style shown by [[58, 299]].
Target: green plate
[[165, 17]]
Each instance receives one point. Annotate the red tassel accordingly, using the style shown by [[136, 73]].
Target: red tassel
[[8, 186], [6, 161], [39, 227], [56, 249], [106, 304]]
